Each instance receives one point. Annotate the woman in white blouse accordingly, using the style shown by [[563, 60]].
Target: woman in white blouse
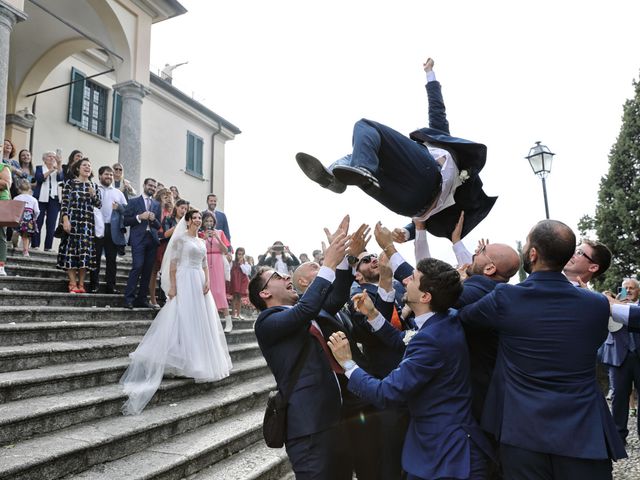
[[48, 176]]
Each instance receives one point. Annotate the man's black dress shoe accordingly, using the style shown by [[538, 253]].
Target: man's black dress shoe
[[313, 169], [358, 176], [129, 306], [112, 291]]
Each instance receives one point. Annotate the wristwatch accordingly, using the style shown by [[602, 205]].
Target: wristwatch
[[352, 260]]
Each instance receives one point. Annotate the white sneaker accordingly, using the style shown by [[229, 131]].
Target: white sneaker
[[3, 273]]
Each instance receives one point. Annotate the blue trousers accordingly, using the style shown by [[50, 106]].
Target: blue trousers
[[408, 174], [522, 464], [320, 456], [49, 210], [623, 378], [143, 254]]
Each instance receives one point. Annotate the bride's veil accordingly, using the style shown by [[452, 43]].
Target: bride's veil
[[171, 254]]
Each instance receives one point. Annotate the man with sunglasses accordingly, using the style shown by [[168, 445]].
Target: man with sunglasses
[[388, 425], [285, 326]]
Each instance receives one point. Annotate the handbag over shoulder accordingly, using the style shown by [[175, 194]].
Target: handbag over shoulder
[[11, 212]]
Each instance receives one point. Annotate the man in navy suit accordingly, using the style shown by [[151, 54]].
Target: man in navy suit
[[621, 352], [544, 405], [221, 218], [431, 175], [285, 325], [143, 216], [443, 440]]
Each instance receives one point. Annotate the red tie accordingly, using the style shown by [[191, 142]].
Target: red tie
[[335, 366]]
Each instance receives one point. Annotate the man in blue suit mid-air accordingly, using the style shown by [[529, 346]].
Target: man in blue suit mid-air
[[443, 440], [544, 405], [430, 175]]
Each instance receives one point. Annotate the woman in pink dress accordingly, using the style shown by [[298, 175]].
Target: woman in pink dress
[[217, 246]]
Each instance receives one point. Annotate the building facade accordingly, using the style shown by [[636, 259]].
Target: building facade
[[75, 75]]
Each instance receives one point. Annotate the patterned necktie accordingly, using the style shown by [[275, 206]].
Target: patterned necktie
[[335, 366]]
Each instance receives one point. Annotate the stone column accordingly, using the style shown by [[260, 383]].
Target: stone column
[[130, 150], [9, 16]]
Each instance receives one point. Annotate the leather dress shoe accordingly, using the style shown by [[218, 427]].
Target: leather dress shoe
[[313, 169], [129, 306], [358, 176]]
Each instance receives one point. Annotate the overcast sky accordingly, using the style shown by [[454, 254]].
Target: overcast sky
[[296, 75]]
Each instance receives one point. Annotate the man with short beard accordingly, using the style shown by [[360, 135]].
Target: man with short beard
[[112, 199], [543, 405], [491, 265]]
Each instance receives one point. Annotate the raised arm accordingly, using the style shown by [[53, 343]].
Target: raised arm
[[437, 111]]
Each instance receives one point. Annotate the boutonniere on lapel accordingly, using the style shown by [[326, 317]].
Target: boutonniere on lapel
[[408, 335], [464, 176]]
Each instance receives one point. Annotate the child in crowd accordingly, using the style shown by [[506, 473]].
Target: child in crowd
[[28, 226], [240, 273]]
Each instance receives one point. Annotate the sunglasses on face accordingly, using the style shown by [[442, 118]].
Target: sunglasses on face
[[580, 253], [367, 259], [277, 275]]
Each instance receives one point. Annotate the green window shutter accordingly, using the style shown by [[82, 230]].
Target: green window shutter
[[76, 95], [116, 116], [198, 161], [190, 152]]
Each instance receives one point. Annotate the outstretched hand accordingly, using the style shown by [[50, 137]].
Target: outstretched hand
[[428, 64], [343, 227], [383, 236], [386, 274], [399, 235], [336, 250], [362, 303], [359, 240]]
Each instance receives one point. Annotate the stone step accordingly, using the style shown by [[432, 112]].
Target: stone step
[[21, 314], [221, 445], [59, 299], [50, 258], [39, 332], [23, 419], [40, 284], [55, 379], [63, 331], [78, 448], [52, 272], [256, 462], [26, 357]]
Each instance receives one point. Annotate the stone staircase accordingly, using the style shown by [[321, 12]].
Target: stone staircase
[[61, 356]]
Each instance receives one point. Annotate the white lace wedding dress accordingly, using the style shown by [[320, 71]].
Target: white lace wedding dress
[[186, 337]]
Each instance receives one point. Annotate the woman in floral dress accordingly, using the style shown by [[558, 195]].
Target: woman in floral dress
[[76, 253]]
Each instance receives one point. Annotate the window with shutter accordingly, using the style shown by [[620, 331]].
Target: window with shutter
[[76, 97], [87, 104], [194, 154]]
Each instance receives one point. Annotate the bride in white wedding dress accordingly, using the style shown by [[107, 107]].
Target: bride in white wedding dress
[[186, 337]]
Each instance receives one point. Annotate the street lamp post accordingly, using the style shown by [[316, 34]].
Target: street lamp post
[[540, 158]]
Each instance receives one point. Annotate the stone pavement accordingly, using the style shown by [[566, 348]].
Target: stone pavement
[[629, 468]]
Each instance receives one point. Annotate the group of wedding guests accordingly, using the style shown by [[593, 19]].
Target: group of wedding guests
[[89, 211], [440, 372]]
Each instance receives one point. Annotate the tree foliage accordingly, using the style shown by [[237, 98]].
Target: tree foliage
[[617, 218]]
